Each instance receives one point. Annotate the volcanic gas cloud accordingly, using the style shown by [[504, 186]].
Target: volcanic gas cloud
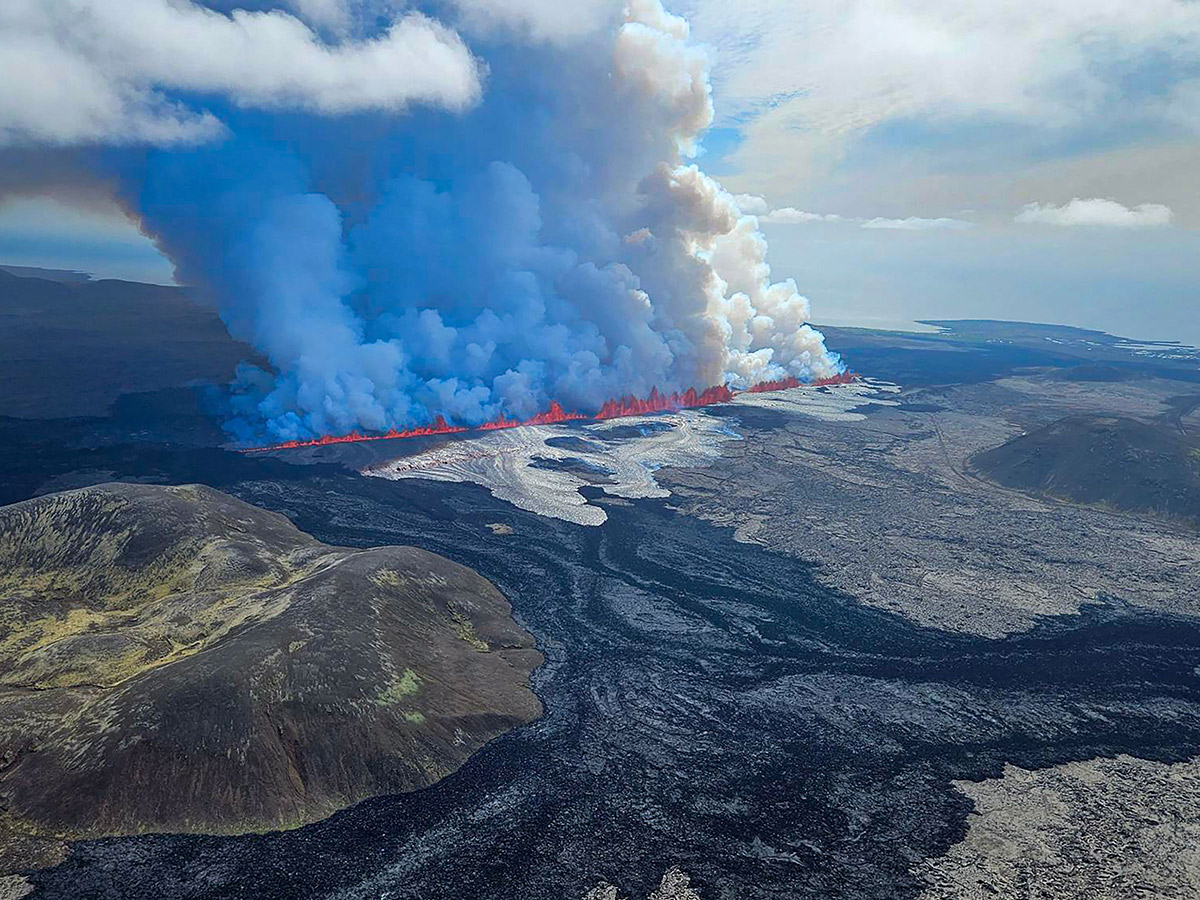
[[483, 214]]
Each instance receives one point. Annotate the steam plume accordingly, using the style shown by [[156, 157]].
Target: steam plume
[[550, 242]]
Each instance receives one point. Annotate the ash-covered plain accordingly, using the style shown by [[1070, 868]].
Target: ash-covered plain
[[727, 708], [897, 507]]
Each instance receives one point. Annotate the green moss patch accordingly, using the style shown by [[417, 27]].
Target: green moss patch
[[405, 686]]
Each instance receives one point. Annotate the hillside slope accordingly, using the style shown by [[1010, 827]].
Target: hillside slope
[[1112, 461], [173, 659]]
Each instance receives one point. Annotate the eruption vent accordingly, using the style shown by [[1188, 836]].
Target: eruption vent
[[656, 402]]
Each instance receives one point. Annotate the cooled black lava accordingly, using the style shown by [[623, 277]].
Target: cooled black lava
[[708, 704]]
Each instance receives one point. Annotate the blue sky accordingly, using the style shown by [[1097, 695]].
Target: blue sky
[[1137, 285]]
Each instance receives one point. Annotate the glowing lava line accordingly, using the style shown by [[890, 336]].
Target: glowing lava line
[[438, 426], [619, 408]]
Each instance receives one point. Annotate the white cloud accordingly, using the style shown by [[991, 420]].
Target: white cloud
[[334, 14], [1098, 212], [80, 71], [809, 78], [916, 223], [752, 204], [789, 215]]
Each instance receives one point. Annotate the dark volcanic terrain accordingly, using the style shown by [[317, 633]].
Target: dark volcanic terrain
[[835, 662], [1111, 461], [173, 659], [707, 704], [73, 348]]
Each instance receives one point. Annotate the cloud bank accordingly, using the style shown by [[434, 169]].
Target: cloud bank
[[80, 71], [804, 82], [1096, 212], [752, 204], [503, 212], [789, 215], [917, 223]]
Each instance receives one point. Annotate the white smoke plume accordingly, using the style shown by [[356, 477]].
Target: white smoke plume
[[761, 326], [536, 231]]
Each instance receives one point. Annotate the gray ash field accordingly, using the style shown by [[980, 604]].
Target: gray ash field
[[713, 699]]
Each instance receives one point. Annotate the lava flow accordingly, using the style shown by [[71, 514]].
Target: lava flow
[[551, 416], [791, 381], [656, 402], [438, 426], [620, 408]]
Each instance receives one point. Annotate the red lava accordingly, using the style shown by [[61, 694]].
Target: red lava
[[617, 408]]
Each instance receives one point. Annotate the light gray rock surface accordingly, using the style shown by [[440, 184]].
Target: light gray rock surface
[[1105, 829]]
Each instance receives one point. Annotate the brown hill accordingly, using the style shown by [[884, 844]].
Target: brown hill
[[173, 659], [1120, 463]]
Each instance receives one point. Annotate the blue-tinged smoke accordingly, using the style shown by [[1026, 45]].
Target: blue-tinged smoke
[[549, 243]]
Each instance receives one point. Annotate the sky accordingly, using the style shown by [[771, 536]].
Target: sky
[[939, 159], [906, 159], [96, 238]]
